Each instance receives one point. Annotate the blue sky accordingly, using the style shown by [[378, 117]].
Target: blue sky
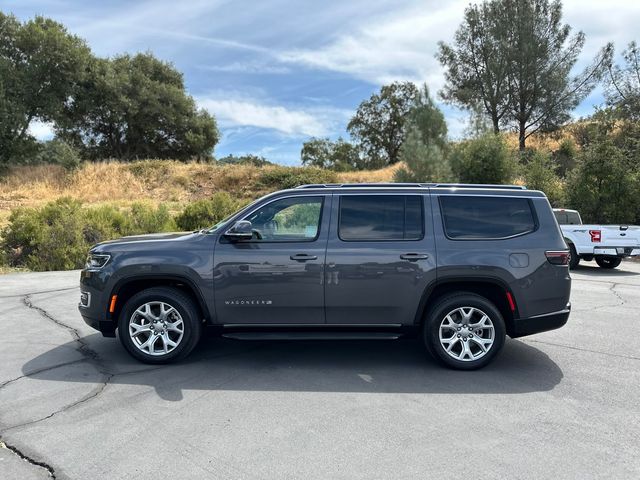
[[275, 73]]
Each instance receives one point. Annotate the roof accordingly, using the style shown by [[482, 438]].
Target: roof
[[437, 188], [413, 185]]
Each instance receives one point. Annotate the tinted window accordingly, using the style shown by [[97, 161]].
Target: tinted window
[[287, 220], [381, 217], [567, 218], [486, 217]]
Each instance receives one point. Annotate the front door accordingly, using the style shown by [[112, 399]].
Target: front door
[[381, 260], [277, 276]]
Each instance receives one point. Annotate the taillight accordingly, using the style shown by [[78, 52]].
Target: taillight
[[557, 257], [596, 235]]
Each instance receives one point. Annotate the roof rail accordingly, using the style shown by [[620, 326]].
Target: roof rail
[[479, 185], [412, 185]]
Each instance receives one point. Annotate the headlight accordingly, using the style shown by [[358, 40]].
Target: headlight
[[97, 260]]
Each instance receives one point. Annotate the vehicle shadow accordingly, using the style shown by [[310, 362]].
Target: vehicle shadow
[[592, 269], [309, 366]]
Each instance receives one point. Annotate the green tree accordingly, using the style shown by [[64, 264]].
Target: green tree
[[565, 157], [136, 107], [602, 187], [486, 159], [514, 57], [424, 162], [40, 66], [540, 174], [424, 150], [623, 84], [379, 125], [340, 155], [476, 66]]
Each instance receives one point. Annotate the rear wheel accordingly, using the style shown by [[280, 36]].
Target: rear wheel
[[608, 262], [159, 325], [574, 259], [464, 331]]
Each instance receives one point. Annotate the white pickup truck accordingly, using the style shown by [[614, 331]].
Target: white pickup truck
[[607, 244]]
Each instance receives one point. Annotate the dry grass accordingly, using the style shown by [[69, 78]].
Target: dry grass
[[170, 182], [382, 175]]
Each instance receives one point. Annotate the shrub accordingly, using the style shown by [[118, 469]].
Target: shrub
[[103, 223], [486, 159], [603, 187], [205, 213], [540, 174], [59, 235], [50, 238], [278, 178], [61, 153], [144, 218], [151, 169]]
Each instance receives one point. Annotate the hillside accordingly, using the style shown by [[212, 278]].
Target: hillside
[[156, 181]]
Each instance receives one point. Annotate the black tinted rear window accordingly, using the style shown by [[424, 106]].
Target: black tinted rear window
[[567, 218], [381, 217], [469, 217]]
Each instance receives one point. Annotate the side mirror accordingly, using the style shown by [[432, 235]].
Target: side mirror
[[241, 230]]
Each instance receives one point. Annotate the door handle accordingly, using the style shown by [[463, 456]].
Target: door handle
[[413, 257], [303, 257]]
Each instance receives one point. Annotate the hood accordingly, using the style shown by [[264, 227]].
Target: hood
[[142, 240]]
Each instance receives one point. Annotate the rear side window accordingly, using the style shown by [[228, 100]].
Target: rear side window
[[469, 217], [567, 218], [381, 217]]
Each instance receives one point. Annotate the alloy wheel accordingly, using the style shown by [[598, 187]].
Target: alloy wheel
[[466, 334]]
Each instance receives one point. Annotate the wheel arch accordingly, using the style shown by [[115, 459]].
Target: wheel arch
[[127, 287], [493, 289]]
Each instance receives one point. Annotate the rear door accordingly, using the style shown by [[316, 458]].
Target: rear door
[[380, 258]]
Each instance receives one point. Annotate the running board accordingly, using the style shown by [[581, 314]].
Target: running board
[[315, 335]]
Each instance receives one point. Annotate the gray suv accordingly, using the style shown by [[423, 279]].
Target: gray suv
[[462, 266]]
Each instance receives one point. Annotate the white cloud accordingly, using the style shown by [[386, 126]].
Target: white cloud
[[41, 130], [400, 45], [248, 112], [252, 67]]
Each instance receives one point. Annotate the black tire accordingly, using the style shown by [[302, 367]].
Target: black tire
[[608, 262], [186, 308], [574, 259], [444, 306]]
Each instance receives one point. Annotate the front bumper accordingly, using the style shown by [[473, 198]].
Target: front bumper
[[92, 305], [540, 323]]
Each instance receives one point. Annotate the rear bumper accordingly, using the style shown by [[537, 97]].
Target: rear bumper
[[617, 251], [540, 323]]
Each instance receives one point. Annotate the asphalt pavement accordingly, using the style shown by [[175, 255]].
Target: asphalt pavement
[[562, 404]]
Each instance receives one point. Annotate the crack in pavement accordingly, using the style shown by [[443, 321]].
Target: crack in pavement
[[40, 370], [12, 448], [38, 293], [97, 391], [89, 355], [612, 289], [84, 348]]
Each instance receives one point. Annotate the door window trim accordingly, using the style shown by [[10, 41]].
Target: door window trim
[[322, 198], [395, 194]]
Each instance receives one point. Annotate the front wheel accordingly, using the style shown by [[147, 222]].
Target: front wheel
[[464, 331], [159, 325], [608, 262]]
